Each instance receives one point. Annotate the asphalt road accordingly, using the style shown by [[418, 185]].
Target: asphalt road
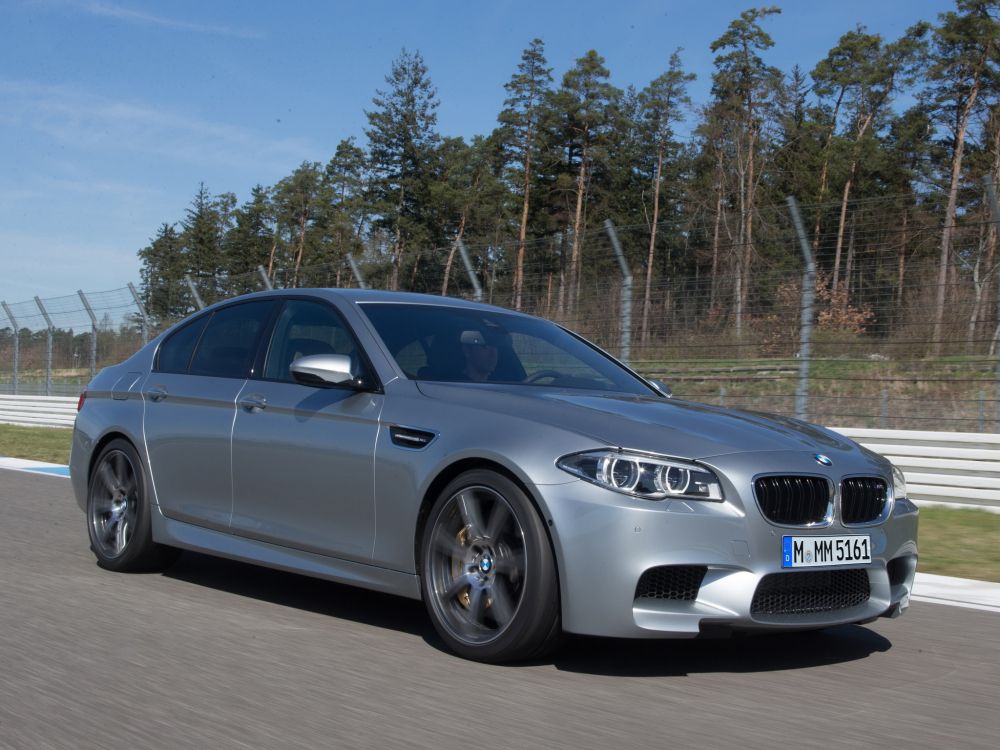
[[216, 654]]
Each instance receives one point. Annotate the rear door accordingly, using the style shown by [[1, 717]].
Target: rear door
[[190, 402], [304, 456]]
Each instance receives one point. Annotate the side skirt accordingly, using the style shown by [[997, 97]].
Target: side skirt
[[187, 536]]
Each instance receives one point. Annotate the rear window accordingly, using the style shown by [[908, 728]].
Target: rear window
[[175, 352], [229, 344]]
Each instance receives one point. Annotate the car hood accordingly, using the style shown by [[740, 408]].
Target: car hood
[[674, 427]]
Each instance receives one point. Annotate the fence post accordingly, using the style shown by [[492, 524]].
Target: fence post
[[995, 208], [265, 278], [48, 346], [477, 289], [805, 329], [194, 292], [883, 421], [626, 332], [93, 332], [142, 313], [17, 344], [356, 271]]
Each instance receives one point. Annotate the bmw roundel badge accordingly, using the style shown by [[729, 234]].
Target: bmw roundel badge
[[822, 460]]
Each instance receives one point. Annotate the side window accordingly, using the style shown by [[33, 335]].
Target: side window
[[305, 328], [228, 346], [175, 353]]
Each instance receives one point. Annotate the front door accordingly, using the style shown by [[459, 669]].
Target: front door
[[303, 456]]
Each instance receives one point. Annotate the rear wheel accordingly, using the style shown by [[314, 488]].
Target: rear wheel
[[487, 571], [118, 513]]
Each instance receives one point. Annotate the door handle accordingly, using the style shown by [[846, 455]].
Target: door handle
[[156, 393], [254, 403]]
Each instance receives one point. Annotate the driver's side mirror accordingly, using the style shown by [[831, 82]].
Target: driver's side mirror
[[326, 370], [662, 388]]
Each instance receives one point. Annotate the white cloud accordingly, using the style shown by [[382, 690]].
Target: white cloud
[[84, 120], [108, 10]]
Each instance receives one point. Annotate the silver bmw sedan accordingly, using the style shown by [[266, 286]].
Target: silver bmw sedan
[[516, 478]]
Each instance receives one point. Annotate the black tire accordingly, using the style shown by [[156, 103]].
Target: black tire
[[118, 513], [488, 575]]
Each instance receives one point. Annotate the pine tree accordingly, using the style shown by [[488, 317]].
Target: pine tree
[[745, 89], [301, 205], [527, 91], [201, 234], [162, 272], [867, 73], [402, 137], [586, 104], [252, 241], [963, 64], [662, 105]]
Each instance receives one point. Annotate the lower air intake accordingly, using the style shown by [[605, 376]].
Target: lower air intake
[[674, 582], [806, 592]]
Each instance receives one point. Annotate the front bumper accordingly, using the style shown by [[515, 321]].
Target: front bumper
[[605, 541]]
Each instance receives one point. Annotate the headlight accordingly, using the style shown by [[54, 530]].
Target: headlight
[[645, 476], [898, 483]]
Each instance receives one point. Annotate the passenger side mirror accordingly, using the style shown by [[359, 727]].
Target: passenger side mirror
[[662, 388], [325, 370]]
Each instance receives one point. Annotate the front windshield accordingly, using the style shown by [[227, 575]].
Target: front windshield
[[439, 343]]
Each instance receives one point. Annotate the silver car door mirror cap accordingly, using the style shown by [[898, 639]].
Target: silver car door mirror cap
[[320, 369]]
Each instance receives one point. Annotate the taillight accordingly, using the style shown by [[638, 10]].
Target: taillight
[[79, 404]]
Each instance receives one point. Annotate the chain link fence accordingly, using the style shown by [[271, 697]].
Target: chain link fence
[[721, 320]]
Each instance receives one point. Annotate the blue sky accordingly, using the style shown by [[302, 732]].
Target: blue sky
[[113, 111]]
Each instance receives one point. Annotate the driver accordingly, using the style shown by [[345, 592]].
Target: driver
[[480, 354]]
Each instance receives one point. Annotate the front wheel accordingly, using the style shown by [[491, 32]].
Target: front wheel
[[487, 571], [118, 513]]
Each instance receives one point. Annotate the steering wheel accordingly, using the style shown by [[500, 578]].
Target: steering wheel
[[542, 374]]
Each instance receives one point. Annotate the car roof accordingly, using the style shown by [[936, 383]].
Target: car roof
[[378, 296]]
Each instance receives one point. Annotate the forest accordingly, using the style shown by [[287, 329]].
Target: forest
[[890, 147]]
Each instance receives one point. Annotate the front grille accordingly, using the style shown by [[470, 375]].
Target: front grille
[[862, 499], [804, 592], [793, 500], [677, 582]]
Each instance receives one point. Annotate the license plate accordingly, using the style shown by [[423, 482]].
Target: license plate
[[813, 551]]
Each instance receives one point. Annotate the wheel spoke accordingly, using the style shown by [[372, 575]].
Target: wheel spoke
[[502, 607], [498, 519], [449, 546], [459, 585], [477, 601], [109, 529], [106, 476], [121, 538], [511, 566], [119, 467], [469, 508], [101, 506], [128, 487]]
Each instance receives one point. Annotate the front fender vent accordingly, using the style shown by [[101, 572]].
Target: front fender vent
[[410, 437]]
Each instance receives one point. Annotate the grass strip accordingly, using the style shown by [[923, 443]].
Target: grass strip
[[36, 443], [961, 543]]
